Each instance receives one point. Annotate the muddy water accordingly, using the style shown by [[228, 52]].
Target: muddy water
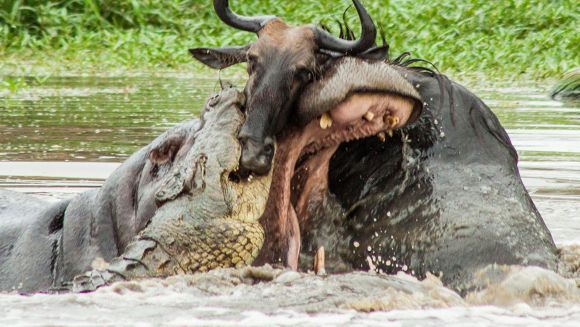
[[68, 134]]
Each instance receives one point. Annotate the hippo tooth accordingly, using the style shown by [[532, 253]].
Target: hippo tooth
[[382, 136], [392, 121], [325, 121], [390, 132], [319, 268], [369, 116]]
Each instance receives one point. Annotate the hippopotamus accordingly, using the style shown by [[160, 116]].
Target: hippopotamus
[[176, 206], [394, 168]]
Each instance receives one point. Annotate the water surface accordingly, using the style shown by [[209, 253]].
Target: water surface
[[67, 135]]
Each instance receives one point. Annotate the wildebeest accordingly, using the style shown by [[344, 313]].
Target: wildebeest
[[281, 62]]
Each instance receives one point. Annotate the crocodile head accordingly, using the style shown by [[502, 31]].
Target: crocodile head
[[207, 215], [206, 168]]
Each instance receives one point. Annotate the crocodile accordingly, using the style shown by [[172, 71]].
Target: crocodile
[[207, 216]]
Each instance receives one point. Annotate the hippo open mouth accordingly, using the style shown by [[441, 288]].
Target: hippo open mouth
[[353, 99]]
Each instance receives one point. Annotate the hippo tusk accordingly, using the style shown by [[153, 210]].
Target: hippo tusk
[[319, 268], [391, 121], [369, 116], [325, 121], [382, 136]]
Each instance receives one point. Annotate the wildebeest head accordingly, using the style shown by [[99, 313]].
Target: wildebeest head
[[281, 62]]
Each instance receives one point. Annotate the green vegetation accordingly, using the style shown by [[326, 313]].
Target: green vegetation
[[13, 84], [500, 39]]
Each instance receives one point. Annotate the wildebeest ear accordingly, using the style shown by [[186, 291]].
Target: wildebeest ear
[[322, 58], [219, 58], [376, 53]]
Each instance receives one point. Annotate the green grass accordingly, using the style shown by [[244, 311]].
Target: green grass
[[509, 39]]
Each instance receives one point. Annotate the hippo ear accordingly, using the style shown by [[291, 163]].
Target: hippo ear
[[219, 58], [166, 151]]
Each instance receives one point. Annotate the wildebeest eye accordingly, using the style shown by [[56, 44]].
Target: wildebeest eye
[[305, 75], [252, 62]]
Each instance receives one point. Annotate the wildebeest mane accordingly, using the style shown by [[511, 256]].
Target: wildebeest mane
[[381, 52]]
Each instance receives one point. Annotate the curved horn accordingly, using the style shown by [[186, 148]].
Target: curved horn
[[330, 42], [250, 24]]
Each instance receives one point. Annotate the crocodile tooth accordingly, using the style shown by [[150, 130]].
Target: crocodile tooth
[[325, 121], [382, 136], [369, 116]]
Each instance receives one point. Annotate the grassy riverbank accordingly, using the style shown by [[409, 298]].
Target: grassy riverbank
[[510, 39]]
